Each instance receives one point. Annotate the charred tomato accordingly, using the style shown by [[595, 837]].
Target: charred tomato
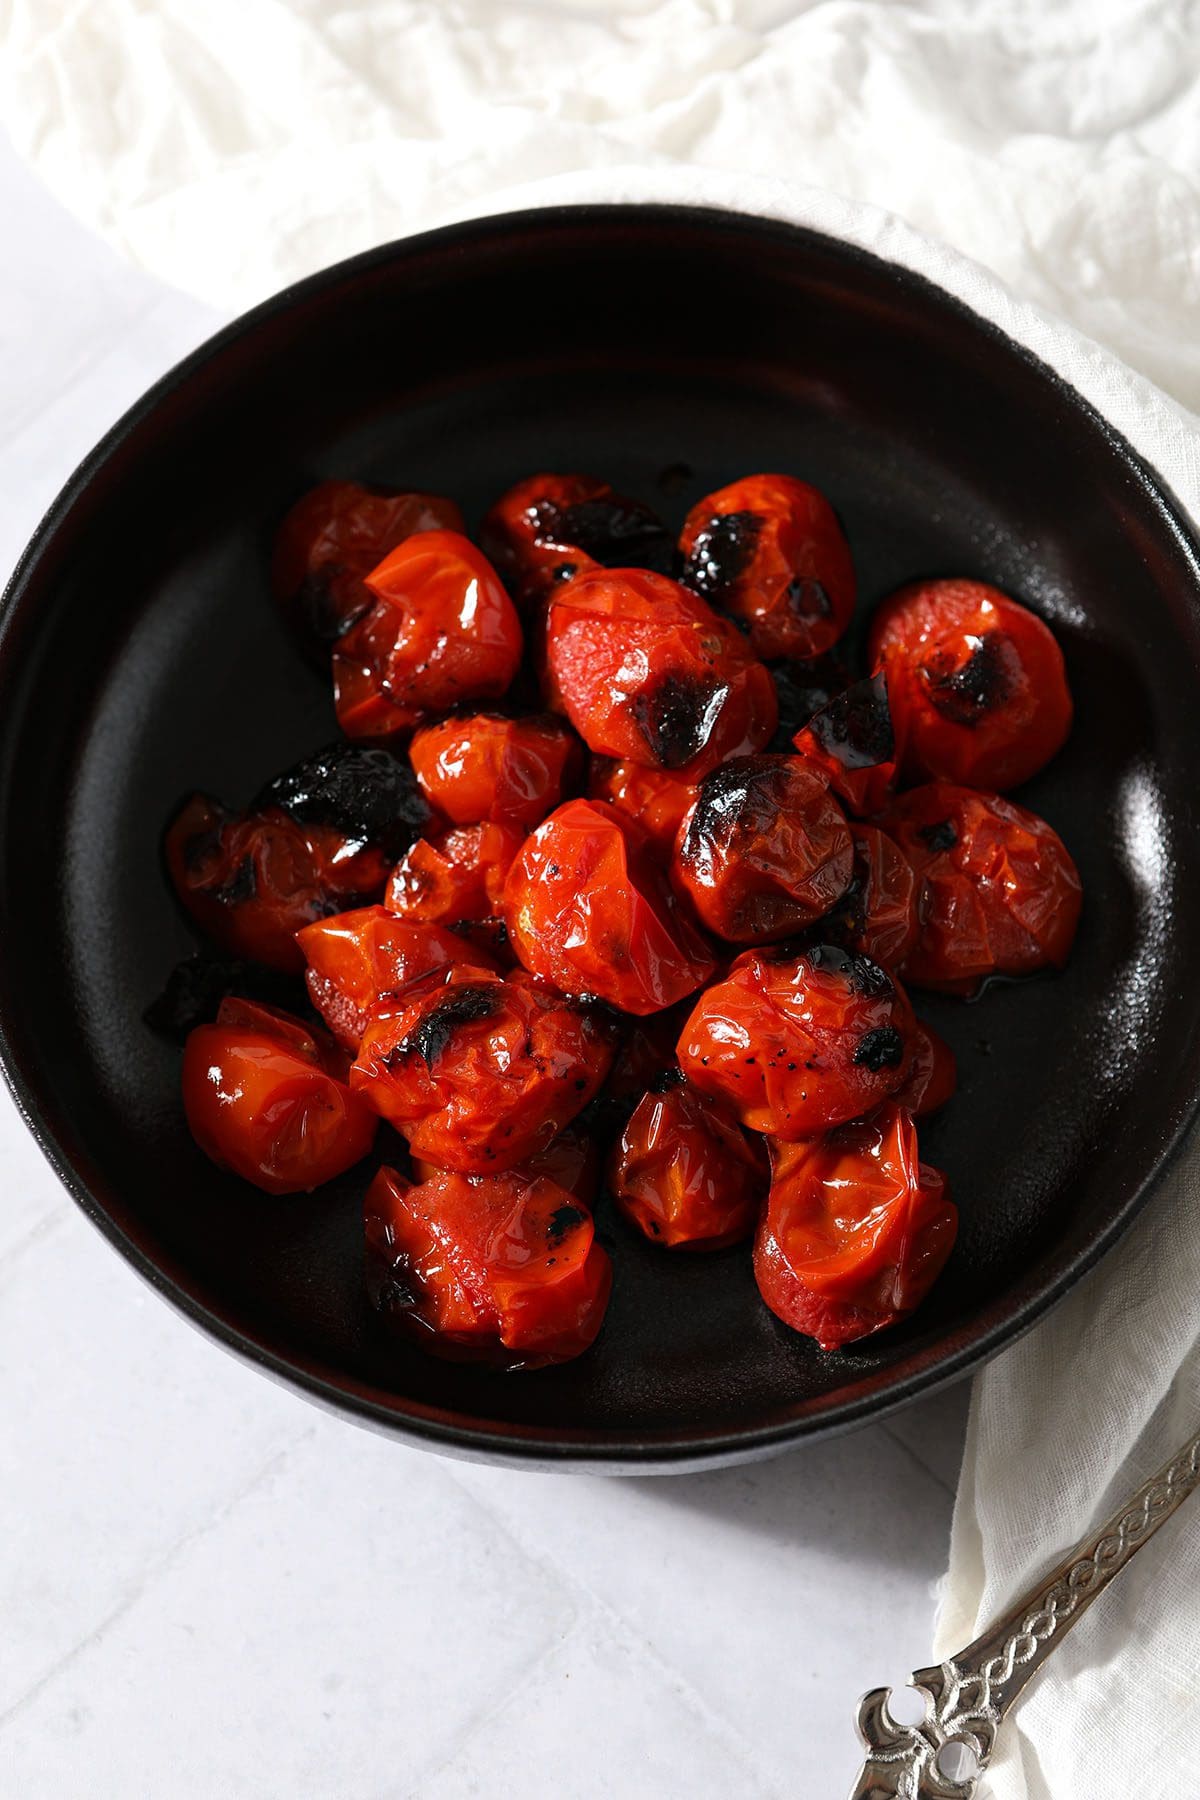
[[360, 959], [977, 683], [852, 741], [878, 915], [485, 767], [549, 528], [454, 876], [657, 801], [685, 1173], [769, 550], [589, 908]]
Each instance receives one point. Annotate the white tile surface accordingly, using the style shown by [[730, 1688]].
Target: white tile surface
[[210, 1589]]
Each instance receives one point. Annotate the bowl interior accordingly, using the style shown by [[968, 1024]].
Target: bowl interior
[[669, 350]]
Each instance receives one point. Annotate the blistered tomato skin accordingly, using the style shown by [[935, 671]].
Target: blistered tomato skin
[[589, 908], [442, 631], [765, 851], [267, 1099], [496, 1268], [480, 1072], [978, 688], [769, 550], [332, 538], [549, 528], [855, 1231], [455, 876], [1000, 894], [485, 767], [685, 1174], [572, 1160], [796, 1046], [657, 801], [878, 915], [648, 673], [365, 958], [852, 741], [932, 1075]]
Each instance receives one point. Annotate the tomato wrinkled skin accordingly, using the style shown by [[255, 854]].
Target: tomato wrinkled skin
[[1000, 894], [480, 1072], [488, 768], [267, 1099], [932, 1076], [878, 915], [855, 1231], [456, 876], [549, 528], [572, 1160], [332, 538], [978, 688], [765, 851], [589, 908], [648, 673], [852, 741], [657, 801], [494, 1268], [769, 550], [442, 631], [361, 959], [797, 1045], [685, 1173]]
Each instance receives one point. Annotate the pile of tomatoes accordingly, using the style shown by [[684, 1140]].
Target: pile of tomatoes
[[613, 889]]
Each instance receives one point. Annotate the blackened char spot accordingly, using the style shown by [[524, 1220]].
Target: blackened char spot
[[966, 693], [359, 790], [196, 987], [241, 886], [618, 533], [201, 847], [462, 1006], [856, 727], [668, 1079], [864, 976], [941, 836], [882, 1048], [802, 689], [327, 616], [676, 717], [561, 1220], [725, 797], [722, 550]]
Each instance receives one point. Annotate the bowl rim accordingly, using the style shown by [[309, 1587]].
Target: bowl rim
[[611, 1451]]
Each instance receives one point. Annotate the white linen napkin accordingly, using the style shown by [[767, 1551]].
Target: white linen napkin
[[233, 147]]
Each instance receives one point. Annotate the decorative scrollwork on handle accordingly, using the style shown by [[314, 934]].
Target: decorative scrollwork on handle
[[968, 1695]]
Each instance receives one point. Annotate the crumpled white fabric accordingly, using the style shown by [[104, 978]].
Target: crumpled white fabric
[[235, 146]]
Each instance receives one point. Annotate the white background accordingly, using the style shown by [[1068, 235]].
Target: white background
[[209, 1589]]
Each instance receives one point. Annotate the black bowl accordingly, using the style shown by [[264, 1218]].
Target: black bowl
[[670, 350]]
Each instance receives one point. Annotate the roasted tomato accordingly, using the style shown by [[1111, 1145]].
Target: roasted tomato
[[765, 850], [877, 915], [551, 527], [456, 875], [572, 1160], [658, 801], [977, 683], [496, 1267], [441, 631], [685, 1173], [358, 959], [333, 537], [649, 673], [802, 689], [266, 1097], [855, 1231], [798, 1045], [932, 1075], [513, 771], [1000, 894], [769, 550], [315, 840], [589, 908], [481, 1071], [853, 743]]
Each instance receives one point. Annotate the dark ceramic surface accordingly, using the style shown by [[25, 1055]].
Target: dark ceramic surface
[[140, 657]]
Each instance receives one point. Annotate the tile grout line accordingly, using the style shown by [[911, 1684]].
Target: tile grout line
[[158, 1568], [918, 1461], [771, 1781]]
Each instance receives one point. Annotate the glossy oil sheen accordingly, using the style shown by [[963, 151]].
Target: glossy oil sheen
[[669, 351]]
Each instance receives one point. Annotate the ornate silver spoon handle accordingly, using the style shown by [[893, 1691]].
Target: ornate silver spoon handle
[[966, 1698]]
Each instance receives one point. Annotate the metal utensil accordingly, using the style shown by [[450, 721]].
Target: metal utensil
[[968, 1695]]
